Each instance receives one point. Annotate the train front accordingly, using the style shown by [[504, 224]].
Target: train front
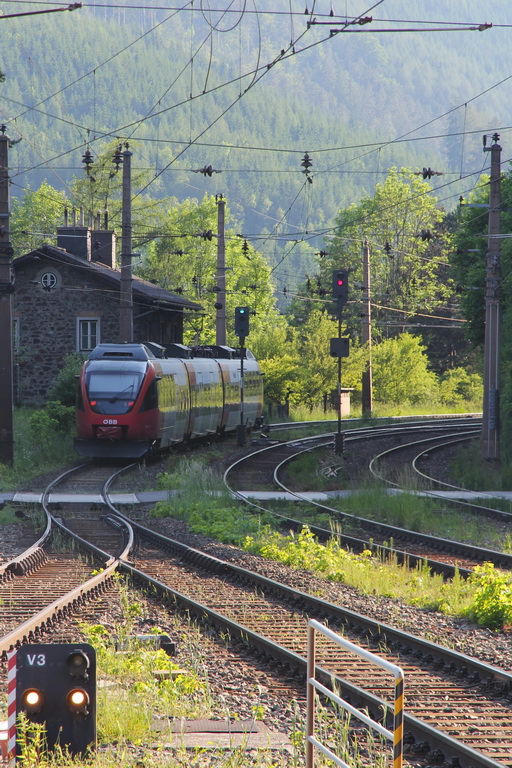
[[115, 415]]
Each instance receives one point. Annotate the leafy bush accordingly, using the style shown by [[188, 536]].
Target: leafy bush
[[458, 386], [204, 504], [54, 418], [492, 602], [64, 387], [400, 371]]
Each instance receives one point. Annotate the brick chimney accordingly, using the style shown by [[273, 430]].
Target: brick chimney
[[104, 247], [75, 239], [103, 242]]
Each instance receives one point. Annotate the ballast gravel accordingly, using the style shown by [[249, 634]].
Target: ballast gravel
[[461, 635]]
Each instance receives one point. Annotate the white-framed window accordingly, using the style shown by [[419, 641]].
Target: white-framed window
[[48, 280], [88, 333]]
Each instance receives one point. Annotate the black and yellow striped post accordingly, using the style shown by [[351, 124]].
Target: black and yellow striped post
[[398, 729]]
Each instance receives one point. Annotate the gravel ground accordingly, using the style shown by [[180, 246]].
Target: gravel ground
[[464, 636], [239, 684]]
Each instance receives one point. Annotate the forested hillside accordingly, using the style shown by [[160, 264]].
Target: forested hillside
[[250, 90], [321, 126]]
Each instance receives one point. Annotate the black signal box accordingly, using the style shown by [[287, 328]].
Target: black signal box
[[56, 687], [242, 321], [340, 285], [340, 347]]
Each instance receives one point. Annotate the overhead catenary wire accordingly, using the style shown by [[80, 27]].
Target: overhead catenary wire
[[324, 171]]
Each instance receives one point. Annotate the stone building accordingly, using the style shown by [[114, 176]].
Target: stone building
[[67, 300]]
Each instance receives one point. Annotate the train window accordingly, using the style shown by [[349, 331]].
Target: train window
[[114, 391], [150, 398]]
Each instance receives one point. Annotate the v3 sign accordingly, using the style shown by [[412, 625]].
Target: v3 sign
[[56, 687]]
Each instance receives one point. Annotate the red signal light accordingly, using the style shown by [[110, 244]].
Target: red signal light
[[92, 402], [340, 285]]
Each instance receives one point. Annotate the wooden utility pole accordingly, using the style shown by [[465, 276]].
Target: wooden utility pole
[[220, 304], [6, 307], [366, 336], [490, 427], [126, 298]]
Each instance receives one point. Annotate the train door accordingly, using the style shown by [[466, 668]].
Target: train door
[[173, 402]]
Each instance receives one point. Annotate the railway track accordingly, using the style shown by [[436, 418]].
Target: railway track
[[272, 619], [445, 556]]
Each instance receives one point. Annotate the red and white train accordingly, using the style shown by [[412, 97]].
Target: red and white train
[[134, 400]]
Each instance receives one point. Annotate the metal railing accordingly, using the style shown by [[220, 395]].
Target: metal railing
[[396, 736]]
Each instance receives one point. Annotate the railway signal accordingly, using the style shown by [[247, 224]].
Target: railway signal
[[340, 347], [340, 285], [56, 687], [242, 321]]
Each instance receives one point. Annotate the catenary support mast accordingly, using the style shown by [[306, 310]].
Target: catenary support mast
[[366, 335], [490, 428], [6, 307], [220, 319], [126, 298]]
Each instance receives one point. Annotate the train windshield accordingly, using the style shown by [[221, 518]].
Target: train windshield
[[114, 391]]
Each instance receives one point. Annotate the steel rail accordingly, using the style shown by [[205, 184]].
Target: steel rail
[[109, 559], [93, 586], [470, 551], [479, 554], [379, 632], [497, 513], [49, 614], [389, 451], [481, 494]]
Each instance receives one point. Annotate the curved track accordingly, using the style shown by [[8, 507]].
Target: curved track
[[440, 683], [443, 556], [50, 567]]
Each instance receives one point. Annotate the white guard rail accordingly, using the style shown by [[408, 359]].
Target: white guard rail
[[396, 736]]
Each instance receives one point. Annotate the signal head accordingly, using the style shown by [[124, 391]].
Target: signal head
[[340, 285], [78, 663], [32, 701], [78, 701]]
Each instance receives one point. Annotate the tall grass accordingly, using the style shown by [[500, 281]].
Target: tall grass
[[380, 410], [34, 454]]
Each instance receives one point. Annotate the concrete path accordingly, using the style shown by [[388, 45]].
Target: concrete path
[[151, 497]]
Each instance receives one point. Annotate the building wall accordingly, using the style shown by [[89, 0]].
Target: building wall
[[46, 321]]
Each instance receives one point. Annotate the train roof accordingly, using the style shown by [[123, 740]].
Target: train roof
[[121, 352], [150, 351]]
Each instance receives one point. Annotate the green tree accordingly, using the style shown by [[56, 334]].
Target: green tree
[[184, 259], [469, 268], [468, 260], [407, 240], [271, 336], [35, 217], [457, 386], [318, 371], [280, 380], [400, 371]]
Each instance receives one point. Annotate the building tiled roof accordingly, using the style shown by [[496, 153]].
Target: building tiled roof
[[141, 288]]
